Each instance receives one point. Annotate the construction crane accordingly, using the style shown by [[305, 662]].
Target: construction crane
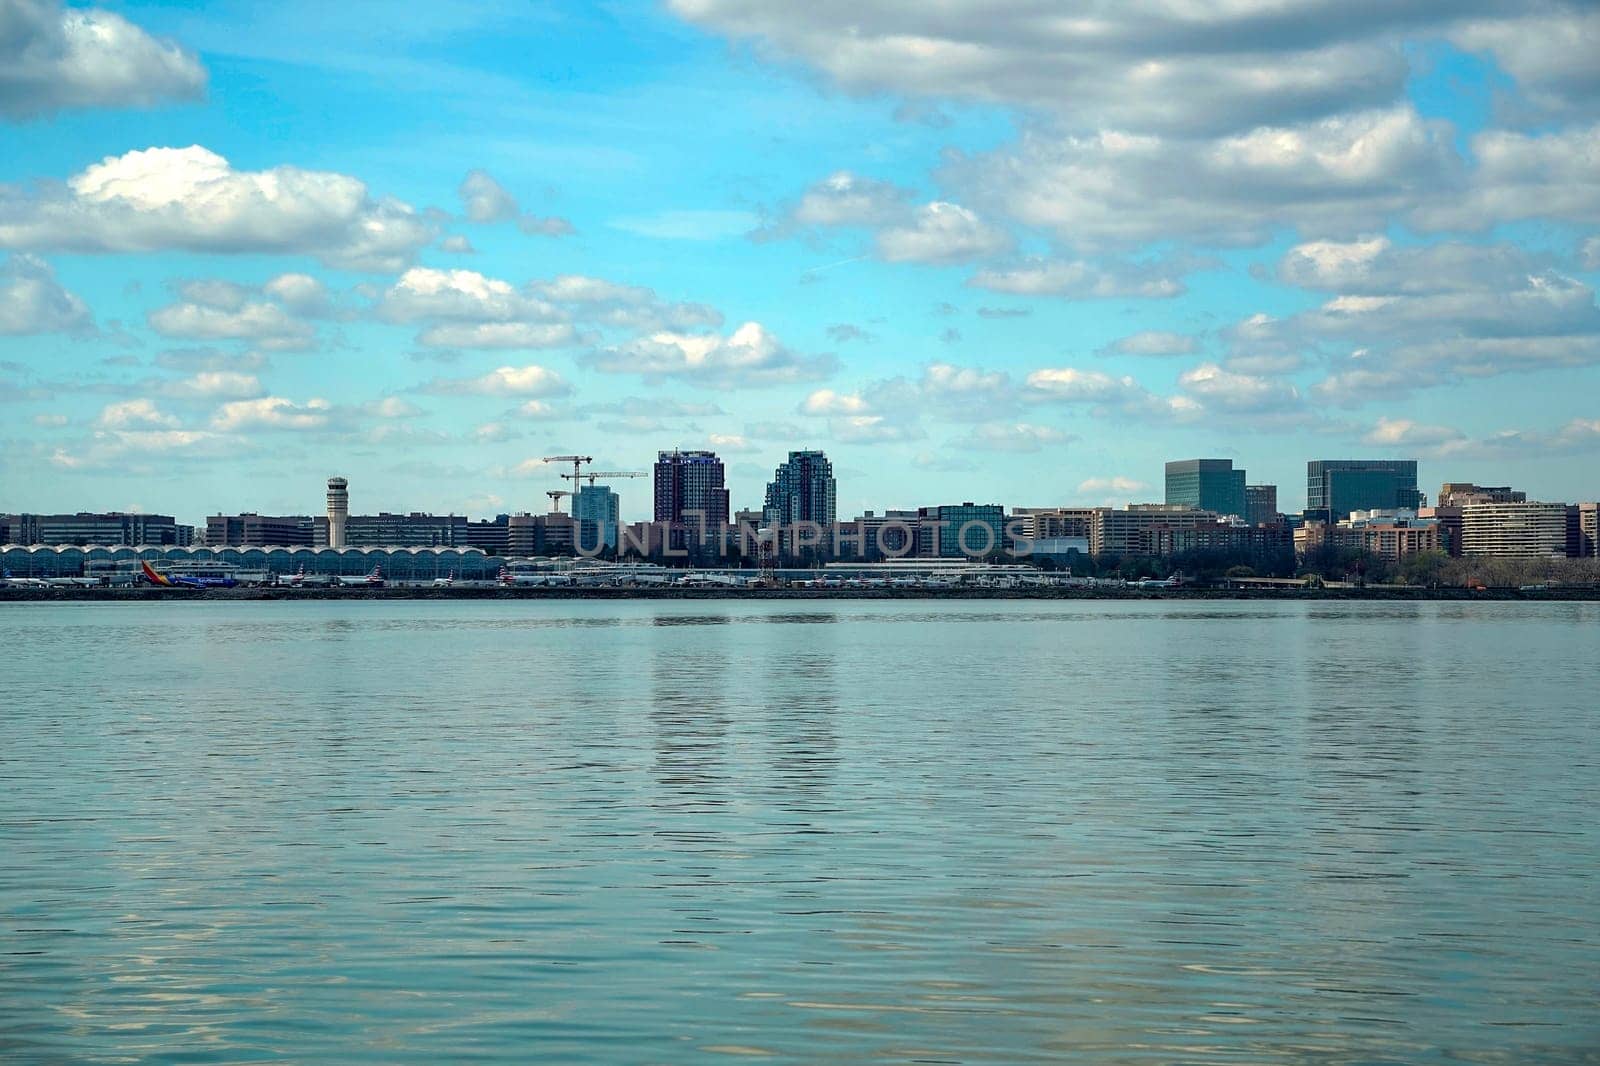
[[555, 499], [577, 462], [593, 475]]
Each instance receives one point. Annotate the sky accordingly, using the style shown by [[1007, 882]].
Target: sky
[[1010, 251]]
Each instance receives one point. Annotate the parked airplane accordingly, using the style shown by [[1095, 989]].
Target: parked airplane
[[185, 581], [23, 582], [373, 580]]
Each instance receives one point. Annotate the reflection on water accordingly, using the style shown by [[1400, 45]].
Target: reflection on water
[[844, 831]]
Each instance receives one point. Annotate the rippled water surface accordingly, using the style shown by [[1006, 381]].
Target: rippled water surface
[[633, 832]]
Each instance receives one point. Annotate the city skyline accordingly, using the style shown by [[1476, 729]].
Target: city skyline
[[637, 501], [253, 253]]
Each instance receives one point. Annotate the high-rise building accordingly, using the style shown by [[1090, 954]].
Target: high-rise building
[[801, 490], [1206, 485], [107, 528], [1522, 530], [596, 510], [1335, 487], [259, 531], [1261, 505], [338, 510], [690, 489]]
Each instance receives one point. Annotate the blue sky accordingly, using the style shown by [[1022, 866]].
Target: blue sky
[[972, 251]]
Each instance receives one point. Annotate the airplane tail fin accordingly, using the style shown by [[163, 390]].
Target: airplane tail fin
[[151, 576]]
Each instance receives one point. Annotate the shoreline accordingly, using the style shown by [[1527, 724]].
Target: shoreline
[[1386, 593]]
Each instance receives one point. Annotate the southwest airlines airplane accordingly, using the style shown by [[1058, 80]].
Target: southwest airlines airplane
[[182, 581]]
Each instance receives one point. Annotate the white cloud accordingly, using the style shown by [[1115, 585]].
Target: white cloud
[[1337, 175], [467, 309], [1080, 279], [829, 402], [1012, 437], [749, 356], [424, 293], [689, 225], [264, 324], [53, 58], [300, 293], [530, 380], [271, 413], [392, 407], [32, 301], [520, 335], [872, 429], [1072, 385], [729, 442], [846, 199], [1124, 487], [1153, 342], [135, 414], [1404, 317], [192, 199], [1226, 390], [941, 232], [1179, 68], [219, 385], [485, 200]]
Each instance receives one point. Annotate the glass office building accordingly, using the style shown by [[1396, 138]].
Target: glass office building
[[1207, 485], [1335, 487]]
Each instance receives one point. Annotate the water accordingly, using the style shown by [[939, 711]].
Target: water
[[419, 832]]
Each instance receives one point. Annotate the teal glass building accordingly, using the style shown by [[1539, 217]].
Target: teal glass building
[[1208, 485]]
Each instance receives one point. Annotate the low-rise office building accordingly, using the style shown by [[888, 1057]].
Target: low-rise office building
[[1515, 530], [1133, 531], [257, 530], [87, 527], [397, 564]]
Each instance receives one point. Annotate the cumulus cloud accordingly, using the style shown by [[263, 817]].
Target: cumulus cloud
[[1112, 486], [264, 324], [523, 335], [32, 301], [531, 380], [1174, 68], [1337, 175], [829, 402], [938, 232], [1403, 317], [749, 356], [1153, 342], [941, 233], [1081, 280], [218, 385], [1226, 390], [54, 58], [192, 199], [272, 413], [135, 414], [846, 199], [1012, 437], [466, 309], [485, 200]]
